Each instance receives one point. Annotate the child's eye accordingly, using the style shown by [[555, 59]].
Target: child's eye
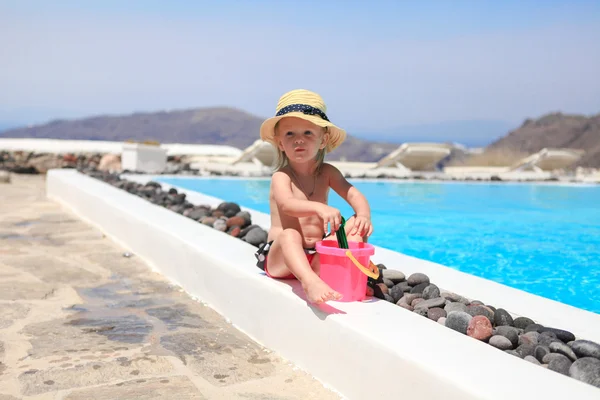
[[308, 133], [290, 133]]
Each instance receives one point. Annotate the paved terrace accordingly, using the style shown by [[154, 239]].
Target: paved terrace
[[82, 319]]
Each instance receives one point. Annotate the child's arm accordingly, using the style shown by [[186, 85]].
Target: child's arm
[[289, 205], [354, 197]]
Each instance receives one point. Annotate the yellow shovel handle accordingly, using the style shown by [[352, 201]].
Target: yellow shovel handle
[[371, 272]]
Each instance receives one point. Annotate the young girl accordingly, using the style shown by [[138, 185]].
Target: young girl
[[302, 134]]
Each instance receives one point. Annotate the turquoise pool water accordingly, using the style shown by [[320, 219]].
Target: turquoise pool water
[[544, 239]]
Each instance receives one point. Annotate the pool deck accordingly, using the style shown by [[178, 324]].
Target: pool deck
[[81, 319]]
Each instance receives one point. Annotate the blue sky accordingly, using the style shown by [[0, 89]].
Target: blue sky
[[468, 68]]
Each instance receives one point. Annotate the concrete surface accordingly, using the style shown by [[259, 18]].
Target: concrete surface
[[80, 318]]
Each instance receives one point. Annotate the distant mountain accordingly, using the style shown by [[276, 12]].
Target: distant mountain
[[222, 126], [555, 130], [4, 126]]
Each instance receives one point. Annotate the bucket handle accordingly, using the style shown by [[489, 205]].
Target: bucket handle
[[372, 271]]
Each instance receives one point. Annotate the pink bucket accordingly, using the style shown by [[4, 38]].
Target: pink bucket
[[346, 270]]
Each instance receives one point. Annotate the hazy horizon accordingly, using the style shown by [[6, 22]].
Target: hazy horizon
[[448, 68]]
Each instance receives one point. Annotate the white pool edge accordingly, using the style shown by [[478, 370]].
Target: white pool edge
[[359, 353]]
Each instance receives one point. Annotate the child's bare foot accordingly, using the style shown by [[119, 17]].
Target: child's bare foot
[[318, 292]]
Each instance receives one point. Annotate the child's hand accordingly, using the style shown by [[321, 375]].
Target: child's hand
[[362, 226], [331, 216]]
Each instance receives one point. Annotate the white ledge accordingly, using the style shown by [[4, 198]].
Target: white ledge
[[362, 350]]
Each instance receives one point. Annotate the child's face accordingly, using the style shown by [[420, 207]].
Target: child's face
[[301, 140]]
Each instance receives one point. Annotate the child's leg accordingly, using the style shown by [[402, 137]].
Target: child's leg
[[287, 255]]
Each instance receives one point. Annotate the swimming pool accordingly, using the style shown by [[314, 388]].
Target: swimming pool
[[544, 239]]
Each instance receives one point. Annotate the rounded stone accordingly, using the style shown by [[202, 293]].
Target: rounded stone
[[563, 335], [421, 311], [235, 231], [586, 369], [436, 313], [480, 328], [455, 298], [404, 305], [534, 328], [393, 275], [522, 322], [256, 236], [561, 348], [458, 321], [411, 296], [526, 338], [235, 221], [388, 283], [546, 338], [455, 307], [431, 292], [417, 279], [540, 352], [442, 321], [502, 317], [246, 216], [501, 342], [220, 225], [532, 360], [419, 288], [396, 292], [526, 350], [549, 357], [560, 364], [209, 221], [586, 348], [417, 301], [510, 333], [476, 310], [435, 302]]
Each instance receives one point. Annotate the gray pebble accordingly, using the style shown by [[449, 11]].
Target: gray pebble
[[396, 292], [421, 311], [455, 307], [586, 369], [513, 353], [502, 317], [437, 302], [458, 321], [436, 313], [586, 348], [541, 352], [532, 360], [475, 310], [455, 298], [393, 275], [411, 296], [431, 292], [562, 348], [501, 342], [560, 364], [388, 283], [419, 288], [417, 279], [510, 333], [442, 321], [526, 350], [522, 322]]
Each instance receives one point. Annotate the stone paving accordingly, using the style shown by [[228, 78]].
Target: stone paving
[[80, 318]]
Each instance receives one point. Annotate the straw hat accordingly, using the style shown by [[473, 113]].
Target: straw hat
[[307, 105]]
